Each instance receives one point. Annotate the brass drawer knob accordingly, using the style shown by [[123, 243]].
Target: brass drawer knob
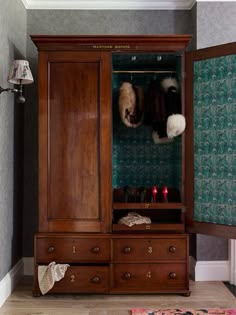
[[96, 279], [51, 249], [72, 278], [172, 275], [127, 250], [127, 276], [95, 250], [172, 249]]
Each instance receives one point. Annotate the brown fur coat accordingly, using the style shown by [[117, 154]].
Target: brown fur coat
[[131, 105]]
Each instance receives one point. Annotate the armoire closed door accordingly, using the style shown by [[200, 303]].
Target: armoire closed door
[[74, 141]]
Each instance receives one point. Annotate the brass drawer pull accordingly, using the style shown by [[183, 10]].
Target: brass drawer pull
[[96, 279], [149, 275], [72, 278], [51, 249], [95, 250], [172, 249], [127, 250], [127, 276], [172, 275], [150, 249]]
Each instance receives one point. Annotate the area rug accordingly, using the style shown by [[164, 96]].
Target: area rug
[[183, 311]]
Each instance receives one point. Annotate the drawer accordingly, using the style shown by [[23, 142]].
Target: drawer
[[68, 250], [150, 277], [149, 249], [83, 279]]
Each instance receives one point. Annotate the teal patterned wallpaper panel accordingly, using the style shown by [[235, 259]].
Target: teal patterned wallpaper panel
[[137, 161], [215, 140]]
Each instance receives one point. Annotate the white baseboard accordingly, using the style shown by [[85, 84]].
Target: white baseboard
[[8, 283], [192, 265], [212, 271], [232, 259], [28, 266]]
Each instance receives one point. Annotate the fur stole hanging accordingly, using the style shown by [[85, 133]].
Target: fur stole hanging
[[131, 105]]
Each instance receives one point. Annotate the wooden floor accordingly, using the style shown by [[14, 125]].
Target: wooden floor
[[204, 294]]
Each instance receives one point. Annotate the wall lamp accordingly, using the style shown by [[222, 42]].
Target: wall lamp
[[19, 74]]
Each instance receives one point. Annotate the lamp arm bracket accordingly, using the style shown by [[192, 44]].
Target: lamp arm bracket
[[8, 90]]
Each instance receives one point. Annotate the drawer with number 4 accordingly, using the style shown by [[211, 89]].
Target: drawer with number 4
[[149, 277]]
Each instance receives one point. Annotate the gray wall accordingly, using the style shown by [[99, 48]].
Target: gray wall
[[216, 24], [77, 23], [13, 46], [118, 22]]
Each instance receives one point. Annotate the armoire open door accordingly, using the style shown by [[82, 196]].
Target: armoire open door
[[210, 141]]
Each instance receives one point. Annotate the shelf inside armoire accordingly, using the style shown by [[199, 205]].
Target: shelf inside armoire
[[165, 217], [153, 205], [154, 227]]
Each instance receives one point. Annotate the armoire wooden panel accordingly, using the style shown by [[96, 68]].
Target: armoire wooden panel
[[82, 173]]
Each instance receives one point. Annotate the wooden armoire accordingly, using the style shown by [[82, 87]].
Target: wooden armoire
[[88, 160]]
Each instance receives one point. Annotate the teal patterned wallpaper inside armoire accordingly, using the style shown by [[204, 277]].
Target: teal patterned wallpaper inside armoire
[[215, 140], [137, 161]]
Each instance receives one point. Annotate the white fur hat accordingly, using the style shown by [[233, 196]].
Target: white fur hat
[[169, 82], [176, 124]]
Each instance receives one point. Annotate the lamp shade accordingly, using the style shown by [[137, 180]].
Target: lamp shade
[[20, 73]]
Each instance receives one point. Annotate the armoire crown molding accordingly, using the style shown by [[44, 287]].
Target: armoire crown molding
[[109, 4]]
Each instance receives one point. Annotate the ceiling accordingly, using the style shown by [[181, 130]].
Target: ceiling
[[111, 4]]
